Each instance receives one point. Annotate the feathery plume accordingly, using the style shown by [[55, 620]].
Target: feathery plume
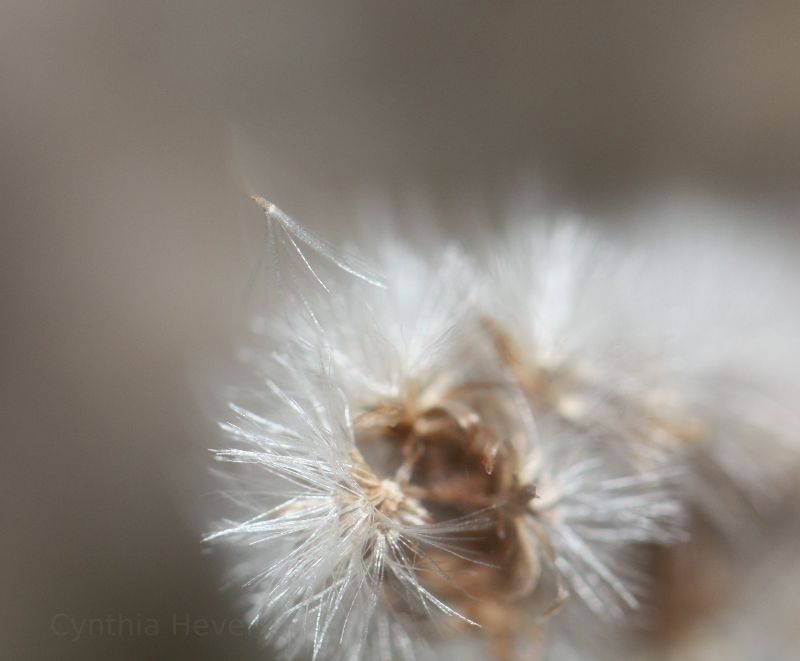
[[434, 445]]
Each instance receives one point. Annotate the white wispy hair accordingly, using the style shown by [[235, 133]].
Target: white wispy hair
[[318, 560], [402, 342], [715, 304], [556, 298], [593, 510], [675, 355]]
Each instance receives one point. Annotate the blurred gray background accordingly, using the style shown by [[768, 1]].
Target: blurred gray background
[[129, 133]]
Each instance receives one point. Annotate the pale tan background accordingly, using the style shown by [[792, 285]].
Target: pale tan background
[[125, 230]]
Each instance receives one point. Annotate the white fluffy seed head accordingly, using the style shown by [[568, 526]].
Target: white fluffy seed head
[[433, 445], [326, 535]]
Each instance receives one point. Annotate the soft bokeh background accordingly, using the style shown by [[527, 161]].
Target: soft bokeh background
[[129, 133]]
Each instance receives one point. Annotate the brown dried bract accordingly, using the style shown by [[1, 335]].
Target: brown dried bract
[[460, 459]]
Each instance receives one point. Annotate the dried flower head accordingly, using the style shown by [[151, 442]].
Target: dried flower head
[[452, 446]]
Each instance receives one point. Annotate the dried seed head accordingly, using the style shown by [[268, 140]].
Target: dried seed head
[[433, 448]]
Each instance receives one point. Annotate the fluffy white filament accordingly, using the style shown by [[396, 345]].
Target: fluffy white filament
[[319, 557]]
